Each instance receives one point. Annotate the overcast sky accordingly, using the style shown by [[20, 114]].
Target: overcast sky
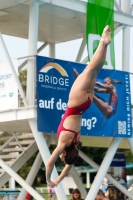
[[18, 47]]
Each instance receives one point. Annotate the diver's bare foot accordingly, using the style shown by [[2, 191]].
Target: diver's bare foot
[[106, 35]]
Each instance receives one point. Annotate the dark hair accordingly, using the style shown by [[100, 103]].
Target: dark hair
[[72, 153], [101, 192], [113, 80], [76, 191]]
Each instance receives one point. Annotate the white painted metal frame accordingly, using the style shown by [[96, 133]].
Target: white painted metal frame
[[12, 183], [80, 6], [31, 176], [39, 137], [26, 61], [103, 168], [44, 151], [78, 182], [21, 181], [34, 170], [124, 19], [108, 176], [81, 50]]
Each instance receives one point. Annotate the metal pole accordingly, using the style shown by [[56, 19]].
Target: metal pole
[[13, 71], [130, 141], [34, 170], [126, 39], [12, 183], [32, 50], [52, 50], [81, 50], [60, 194], [42, 47], [88, 179], [117, 6], [21, 181], [108, 176], [26, 61], [117, 30], [78, 182], [11, 186], [85, 60], [32, 174], [126, 51], [103, 169], [43, 148]]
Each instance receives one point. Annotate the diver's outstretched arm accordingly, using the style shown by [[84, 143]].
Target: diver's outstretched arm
[[104, 85], [63, 174], [50, 165], [100, 90]]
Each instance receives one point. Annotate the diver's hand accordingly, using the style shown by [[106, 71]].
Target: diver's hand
[[51, 184], [56, 182]]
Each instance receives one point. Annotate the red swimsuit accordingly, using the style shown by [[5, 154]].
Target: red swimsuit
[[78, 110]]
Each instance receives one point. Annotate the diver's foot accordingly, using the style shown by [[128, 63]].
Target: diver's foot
[[106, 35]]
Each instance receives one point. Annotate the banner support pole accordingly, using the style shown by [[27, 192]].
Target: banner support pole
[[81, 50], [108, 176], [34, 170], [126, 39], [103, 168], [78, 182], [43, 148], [52, 50], [21, 181]]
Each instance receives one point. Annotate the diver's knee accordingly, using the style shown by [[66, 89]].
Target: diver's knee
[[108, 115], [91, 72]]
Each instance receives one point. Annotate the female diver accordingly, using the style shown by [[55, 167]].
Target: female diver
[[108, 109], [80, 98]]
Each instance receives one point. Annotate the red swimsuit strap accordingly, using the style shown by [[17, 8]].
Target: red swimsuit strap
[[76, 133], [75, 137]]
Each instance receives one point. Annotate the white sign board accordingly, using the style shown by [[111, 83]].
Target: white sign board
[[8, 87]]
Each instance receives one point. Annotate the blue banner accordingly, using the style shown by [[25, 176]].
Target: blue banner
[[110, 112], [118, 160]]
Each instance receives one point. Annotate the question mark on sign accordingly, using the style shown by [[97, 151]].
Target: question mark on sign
[[94, 120]]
